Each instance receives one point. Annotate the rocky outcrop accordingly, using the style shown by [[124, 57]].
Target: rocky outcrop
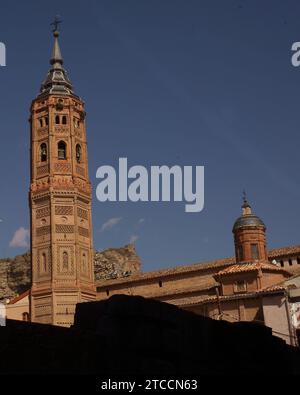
[[15, 273], [116, 263]]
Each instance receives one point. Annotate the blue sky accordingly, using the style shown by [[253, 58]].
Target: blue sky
[[165, 82]]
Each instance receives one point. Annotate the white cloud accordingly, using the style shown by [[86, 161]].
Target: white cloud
[[141, 220], [110, 223], [20, 238], [133, 239]]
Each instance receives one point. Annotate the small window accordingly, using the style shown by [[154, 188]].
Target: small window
[[254, 251], [298, 261], [41, 122], [78, 153], [290, 262], [57, 120], [62, 150], [240, 286], [64, 120], [107, 292], [43, 152], [241, 253], [76, 122], [281, 263], [46, 121], [160, 284], [44, 262], [65, 261]]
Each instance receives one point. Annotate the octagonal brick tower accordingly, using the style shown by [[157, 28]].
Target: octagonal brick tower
[[60, 200]]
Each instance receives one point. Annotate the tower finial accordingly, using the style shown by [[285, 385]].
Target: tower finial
[[57, 80], [56, 57], [246, 206], [244, 196], [57, 21]]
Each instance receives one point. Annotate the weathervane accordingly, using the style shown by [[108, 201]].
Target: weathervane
[[57, 21], [244, 196]]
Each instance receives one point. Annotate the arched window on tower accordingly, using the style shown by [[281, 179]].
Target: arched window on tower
[[46, 121], [25, 316], [64, 120], [44, 262], [78, 153], [84, 263], [41, 122], [62, 150], [254, 251], [65, 261], [43, 152], [57, 120], [241, 253]]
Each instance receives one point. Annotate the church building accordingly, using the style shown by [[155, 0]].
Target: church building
[[252, 286]]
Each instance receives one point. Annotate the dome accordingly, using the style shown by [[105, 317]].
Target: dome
[[248, 220]]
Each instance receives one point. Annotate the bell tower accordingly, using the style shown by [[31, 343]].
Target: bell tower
[[249, 236], [60, 200]]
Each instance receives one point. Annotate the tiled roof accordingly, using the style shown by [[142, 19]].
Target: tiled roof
[[268, 290], [21, 296], [276, 252], [247, 267], [177, 270], [196, 267]]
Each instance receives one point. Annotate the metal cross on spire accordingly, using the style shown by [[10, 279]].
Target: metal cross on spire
[[244, 196], [57, 21]]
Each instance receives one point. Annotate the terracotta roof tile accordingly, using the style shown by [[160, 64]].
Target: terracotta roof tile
[[251, 266], [284, 251]]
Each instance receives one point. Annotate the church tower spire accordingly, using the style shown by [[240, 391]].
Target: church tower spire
[[57, 80], [60, 200]]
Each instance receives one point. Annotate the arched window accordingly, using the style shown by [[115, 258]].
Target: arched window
[[41, 122], [46, 121], [78, 153], [62, 150], [254, 251], [44, 262], [241, 253], [43, 152], [64, 120], [65, 261], [84, 267], [76, 122], [57, 120], [25, 316]]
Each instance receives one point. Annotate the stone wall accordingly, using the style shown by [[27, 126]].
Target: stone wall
[[131, 335]]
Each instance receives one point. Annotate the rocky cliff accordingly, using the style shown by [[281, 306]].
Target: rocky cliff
[[15, 273]]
